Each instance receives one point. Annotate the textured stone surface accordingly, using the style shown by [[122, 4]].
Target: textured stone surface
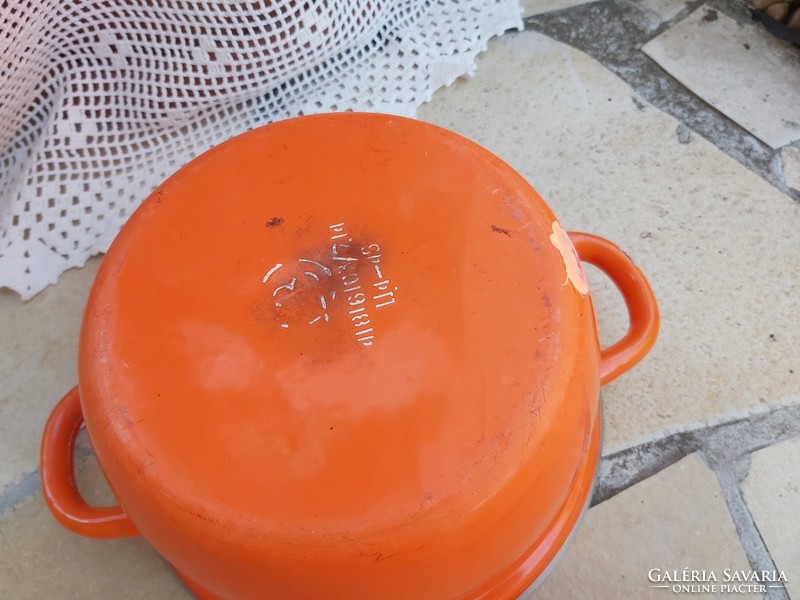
[[745, 73], [42, 561], [38, 364], [718, 243], [535, 7], [790, 161], [673, 520], [665, 9], [772, 493]]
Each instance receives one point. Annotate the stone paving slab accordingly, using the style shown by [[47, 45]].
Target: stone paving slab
[[38, 364], [717, 242], [790, 161], [772, 493], [535, 7], [664, 9], [44, 561], [739, 68], [673, 520], [613, 32]]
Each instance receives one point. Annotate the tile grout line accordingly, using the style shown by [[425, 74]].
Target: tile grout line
[[19, 492], [726, 448], [613, 33], [729, 476], [25, 488], [720, 443]]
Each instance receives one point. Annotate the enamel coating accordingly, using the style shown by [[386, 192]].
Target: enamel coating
[[346, 356]]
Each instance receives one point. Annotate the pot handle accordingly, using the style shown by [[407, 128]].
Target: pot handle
[[639, 299], [58, 477]]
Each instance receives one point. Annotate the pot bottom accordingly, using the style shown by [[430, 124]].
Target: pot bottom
[[529, 570]]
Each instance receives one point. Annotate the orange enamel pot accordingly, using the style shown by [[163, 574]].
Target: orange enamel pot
[[345, 356]]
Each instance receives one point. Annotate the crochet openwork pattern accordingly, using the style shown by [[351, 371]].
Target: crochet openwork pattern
[[101, 100]]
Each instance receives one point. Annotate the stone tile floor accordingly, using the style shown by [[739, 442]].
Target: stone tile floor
[[701, 465]]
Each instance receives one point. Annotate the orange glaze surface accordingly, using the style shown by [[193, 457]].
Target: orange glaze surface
[[348, 356]]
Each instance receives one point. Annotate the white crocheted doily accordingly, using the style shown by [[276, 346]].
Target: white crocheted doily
[[100, 101]]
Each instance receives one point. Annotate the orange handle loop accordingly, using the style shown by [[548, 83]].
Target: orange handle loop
[[639, 299], [58, 478]]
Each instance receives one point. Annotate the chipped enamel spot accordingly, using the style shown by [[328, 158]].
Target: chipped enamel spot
[[560, 239]]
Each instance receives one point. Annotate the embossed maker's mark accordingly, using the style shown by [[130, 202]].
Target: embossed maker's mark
[[351, 265], [270, 272], [289, 287], [360, 294], [345, 264]]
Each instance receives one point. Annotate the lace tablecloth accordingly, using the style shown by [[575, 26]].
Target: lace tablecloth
[[101, 100]]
